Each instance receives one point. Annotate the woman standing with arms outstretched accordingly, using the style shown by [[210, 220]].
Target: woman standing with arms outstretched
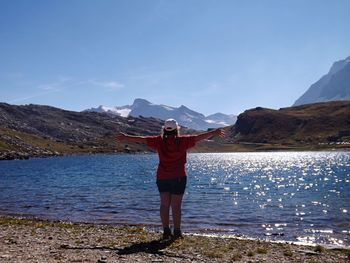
[[171, 173]]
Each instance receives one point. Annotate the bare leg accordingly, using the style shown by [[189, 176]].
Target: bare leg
[[165, 199], [176, 202]]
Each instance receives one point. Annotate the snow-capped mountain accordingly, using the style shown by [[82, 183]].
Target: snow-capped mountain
[[221, 118], [185, 116], [335, 85], [120, 111]]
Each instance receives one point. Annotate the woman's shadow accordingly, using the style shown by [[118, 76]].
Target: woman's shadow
[[151, 247]]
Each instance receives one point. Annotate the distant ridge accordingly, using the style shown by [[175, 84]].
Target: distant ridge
[[333, 86], [185, 116], [38, 131]]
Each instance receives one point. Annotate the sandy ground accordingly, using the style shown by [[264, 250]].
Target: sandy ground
[[34, 240]]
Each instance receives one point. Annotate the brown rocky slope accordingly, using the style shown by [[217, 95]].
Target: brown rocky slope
[[311, 124], [34, 130]]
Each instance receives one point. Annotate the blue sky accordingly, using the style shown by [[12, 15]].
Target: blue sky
[[212, 56]]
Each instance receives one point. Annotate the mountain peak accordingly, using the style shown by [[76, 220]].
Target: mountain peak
[[331, 87], [139, 102], [185, 116], [339, 65]]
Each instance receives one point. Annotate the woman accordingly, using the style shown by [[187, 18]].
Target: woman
[[171, 173]]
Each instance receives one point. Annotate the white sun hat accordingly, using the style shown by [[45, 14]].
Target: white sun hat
[[170, 125]]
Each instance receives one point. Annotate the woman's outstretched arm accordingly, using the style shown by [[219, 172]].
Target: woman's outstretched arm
[[132, 138], [206, 135]]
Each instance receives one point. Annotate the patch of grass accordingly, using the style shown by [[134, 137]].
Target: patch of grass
[[213, 254], [200, 244], [79, 242], [319, 249], [250, 254], [63, 225], [180, 244], [136, 229], [37, 141], [112, 244], [10, 240], [288, 253], [36, 223], [261, 250], [236, 257], [233, 244], [203, 245], [3, 146], [8, 221], [58, 258], [346, 253], [99, 239]]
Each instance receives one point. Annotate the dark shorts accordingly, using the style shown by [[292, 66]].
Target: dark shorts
[[174, 186]]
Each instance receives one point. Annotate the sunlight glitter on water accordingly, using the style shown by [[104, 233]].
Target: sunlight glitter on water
[[274, 183]]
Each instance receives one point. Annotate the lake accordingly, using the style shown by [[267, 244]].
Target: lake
[[302, 197]]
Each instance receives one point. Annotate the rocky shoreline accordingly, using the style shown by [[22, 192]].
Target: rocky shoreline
[[35, 240], [13, 155]]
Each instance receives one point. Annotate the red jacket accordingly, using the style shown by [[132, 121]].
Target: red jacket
[[172, 152]]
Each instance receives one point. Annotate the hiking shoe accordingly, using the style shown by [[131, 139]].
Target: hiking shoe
[[167, 234], [177, 234]]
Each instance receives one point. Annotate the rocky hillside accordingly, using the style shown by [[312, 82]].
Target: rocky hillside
[[34, 130], [312, 124]]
